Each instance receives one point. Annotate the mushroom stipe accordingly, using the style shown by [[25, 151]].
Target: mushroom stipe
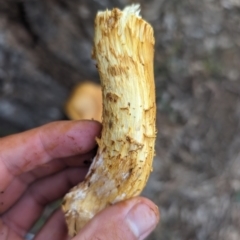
[[124, 50]]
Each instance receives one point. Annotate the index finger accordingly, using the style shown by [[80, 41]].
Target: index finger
[[25, 151]]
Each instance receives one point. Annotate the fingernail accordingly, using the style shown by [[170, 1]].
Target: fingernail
[[142, 219]]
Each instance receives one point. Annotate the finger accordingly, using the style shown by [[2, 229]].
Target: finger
[[54, 228], [31, 205], [133, 219], [19, 185], [57, 165], [6, 233], [23, 152]]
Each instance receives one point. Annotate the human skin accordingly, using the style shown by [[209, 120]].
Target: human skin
[[39, 166]]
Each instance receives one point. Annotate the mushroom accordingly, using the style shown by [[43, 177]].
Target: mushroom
[[85, 102], [123, 49]]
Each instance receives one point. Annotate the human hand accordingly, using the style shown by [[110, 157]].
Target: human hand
[[39, 166]]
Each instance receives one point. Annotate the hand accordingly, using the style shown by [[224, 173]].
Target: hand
[[39, 166]]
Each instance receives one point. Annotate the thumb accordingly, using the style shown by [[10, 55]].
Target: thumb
[[133, 219]]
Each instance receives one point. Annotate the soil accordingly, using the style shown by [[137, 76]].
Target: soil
[[45, 49]]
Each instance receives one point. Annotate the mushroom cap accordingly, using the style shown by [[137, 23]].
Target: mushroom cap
[[85, 102]]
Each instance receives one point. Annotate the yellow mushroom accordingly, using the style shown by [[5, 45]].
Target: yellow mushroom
[[85, 102], [123, 49]]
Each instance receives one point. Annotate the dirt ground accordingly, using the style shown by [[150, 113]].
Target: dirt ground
[[45, 48]]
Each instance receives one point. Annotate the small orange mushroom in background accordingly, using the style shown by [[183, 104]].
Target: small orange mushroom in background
[[85, 102]]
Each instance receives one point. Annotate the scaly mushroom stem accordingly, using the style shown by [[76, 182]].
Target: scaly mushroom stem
[[124, 49]]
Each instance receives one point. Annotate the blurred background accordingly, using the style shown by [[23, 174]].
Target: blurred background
[[45, 50]]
